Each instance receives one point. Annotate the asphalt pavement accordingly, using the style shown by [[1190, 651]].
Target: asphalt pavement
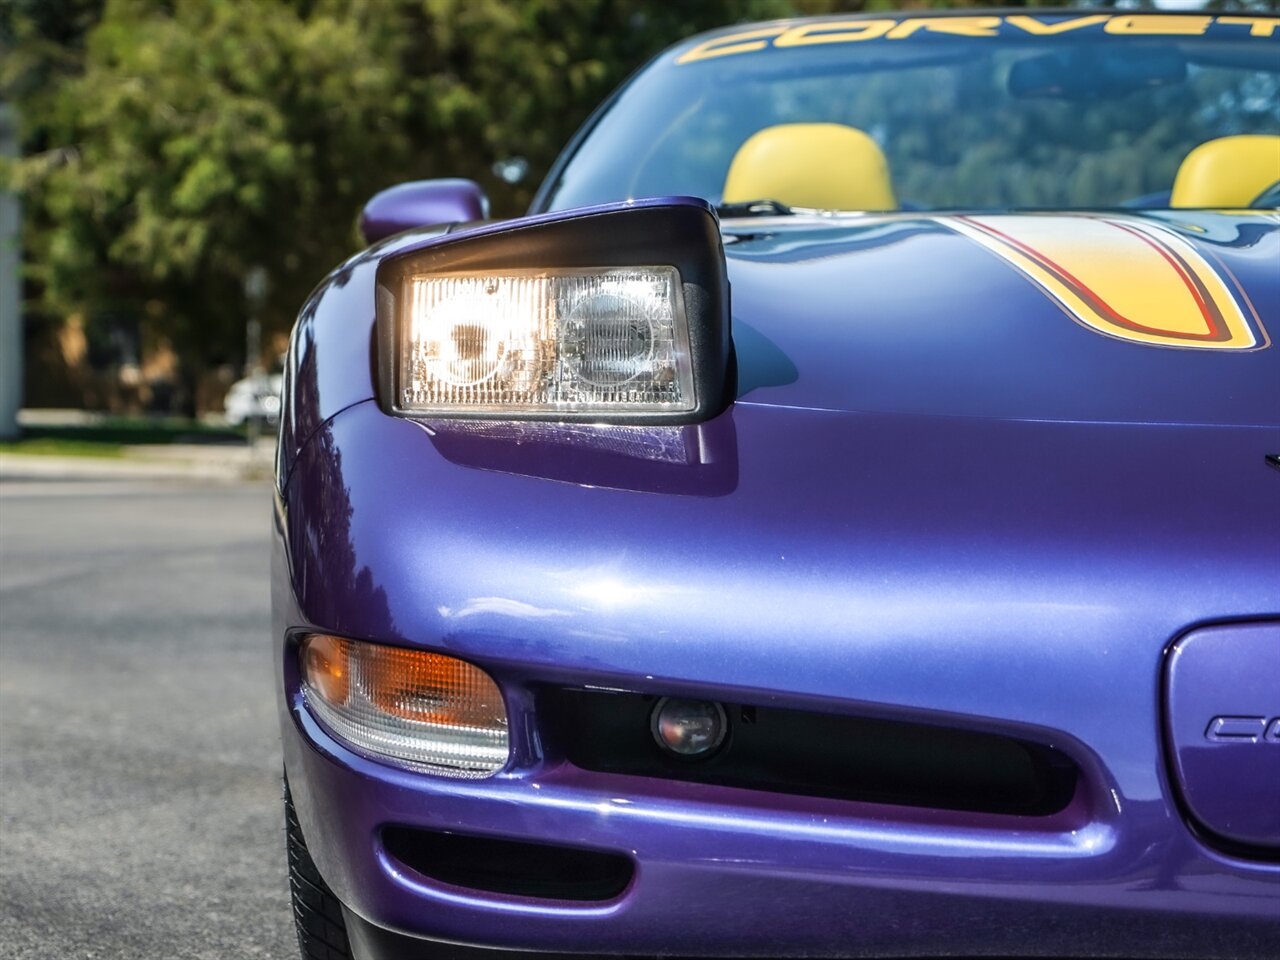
[[139, 758]]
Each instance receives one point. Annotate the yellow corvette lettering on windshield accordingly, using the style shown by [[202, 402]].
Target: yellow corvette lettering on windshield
[[1158, 26], [956, 26], [1038, 28], [745, 42], [825, 32], [1258, 26], [833, 31]]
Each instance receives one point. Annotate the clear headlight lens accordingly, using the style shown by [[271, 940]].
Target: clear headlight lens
[[611, 340], [425, 710]]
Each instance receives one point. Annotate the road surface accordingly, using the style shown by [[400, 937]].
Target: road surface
[[139, 759]]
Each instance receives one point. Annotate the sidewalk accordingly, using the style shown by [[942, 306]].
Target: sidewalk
[[194, 463]]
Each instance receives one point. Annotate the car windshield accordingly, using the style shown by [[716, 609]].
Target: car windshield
[[1082, 111]]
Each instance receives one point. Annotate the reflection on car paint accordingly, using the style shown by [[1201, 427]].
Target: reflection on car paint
[[697, 460]]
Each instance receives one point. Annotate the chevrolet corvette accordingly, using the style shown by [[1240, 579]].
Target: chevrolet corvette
[[840, 519]]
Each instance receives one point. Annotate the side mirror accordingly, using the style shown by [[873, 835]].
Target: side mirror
[[422, 203]]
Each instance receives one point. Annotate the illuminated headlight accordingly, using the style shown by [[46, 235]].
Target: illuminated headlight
[[424, 710], [602, 340], [608, 315]]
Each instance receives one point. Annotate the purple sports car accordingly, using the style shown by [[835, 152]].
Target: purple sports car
[[842, 519]]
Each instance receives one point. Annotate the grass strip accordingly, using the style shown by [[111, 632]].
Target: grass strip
[[55, 447]]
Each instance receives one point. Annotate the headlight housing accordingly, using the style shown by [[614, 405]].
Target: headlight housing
[[614, 314], [424, 710], [546, 342]]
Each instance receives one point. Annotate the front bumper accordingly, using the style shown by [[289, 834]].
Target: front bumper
[[391, 540], [724, 872]]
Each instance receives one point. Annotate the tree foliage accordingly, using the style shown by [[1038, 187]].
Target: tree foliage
[[172, 145]]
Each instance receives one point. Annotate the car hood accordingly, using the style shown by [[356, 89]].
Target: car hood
[[1108, 318]]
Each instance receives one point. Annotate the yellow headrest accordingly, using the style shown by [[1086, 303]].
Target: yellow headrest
[[1229, 172], [824, 165]]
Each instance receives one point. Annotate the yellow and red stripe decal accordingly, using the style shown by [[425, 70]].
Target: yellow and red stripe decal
[[1124, 277]]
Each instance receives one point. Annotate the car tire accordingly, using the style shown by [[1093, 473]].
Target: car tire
[[317, 915]]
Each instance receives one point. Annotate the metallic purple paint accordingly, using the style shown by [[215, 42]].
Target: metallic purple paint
[[892, 314], [422, 203], [1223, 696], [904, 315], [336, 324], [907, 540]]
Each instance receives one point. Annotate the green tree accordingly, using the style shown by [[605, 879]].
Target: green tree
[[196, 142], [174, 144]]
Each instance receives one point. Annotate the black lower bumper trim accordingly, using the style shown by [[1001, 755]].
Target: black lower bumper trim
[[372, 942], [820, 755]]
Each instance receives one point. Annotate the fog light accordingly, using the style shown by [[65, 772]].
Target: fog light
[[425, 710], [689, 728]]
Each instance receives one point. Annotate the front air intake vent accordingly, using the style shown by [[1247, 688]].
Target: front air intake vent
[[510, 867], [819, 755]]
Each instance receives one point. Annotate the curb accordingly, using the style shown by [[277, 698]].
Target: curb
[[169, 464]]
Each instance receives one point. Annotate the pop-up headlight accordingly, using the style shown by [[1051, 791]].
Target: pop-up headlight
[[607, 340], [614, 314]]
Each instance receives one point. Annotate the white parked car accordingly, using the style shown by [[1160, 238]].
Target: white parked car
[[254, 398]]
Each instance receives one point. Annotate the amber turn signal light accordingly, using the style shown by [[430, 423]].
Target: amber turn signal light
[[425, 710]]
